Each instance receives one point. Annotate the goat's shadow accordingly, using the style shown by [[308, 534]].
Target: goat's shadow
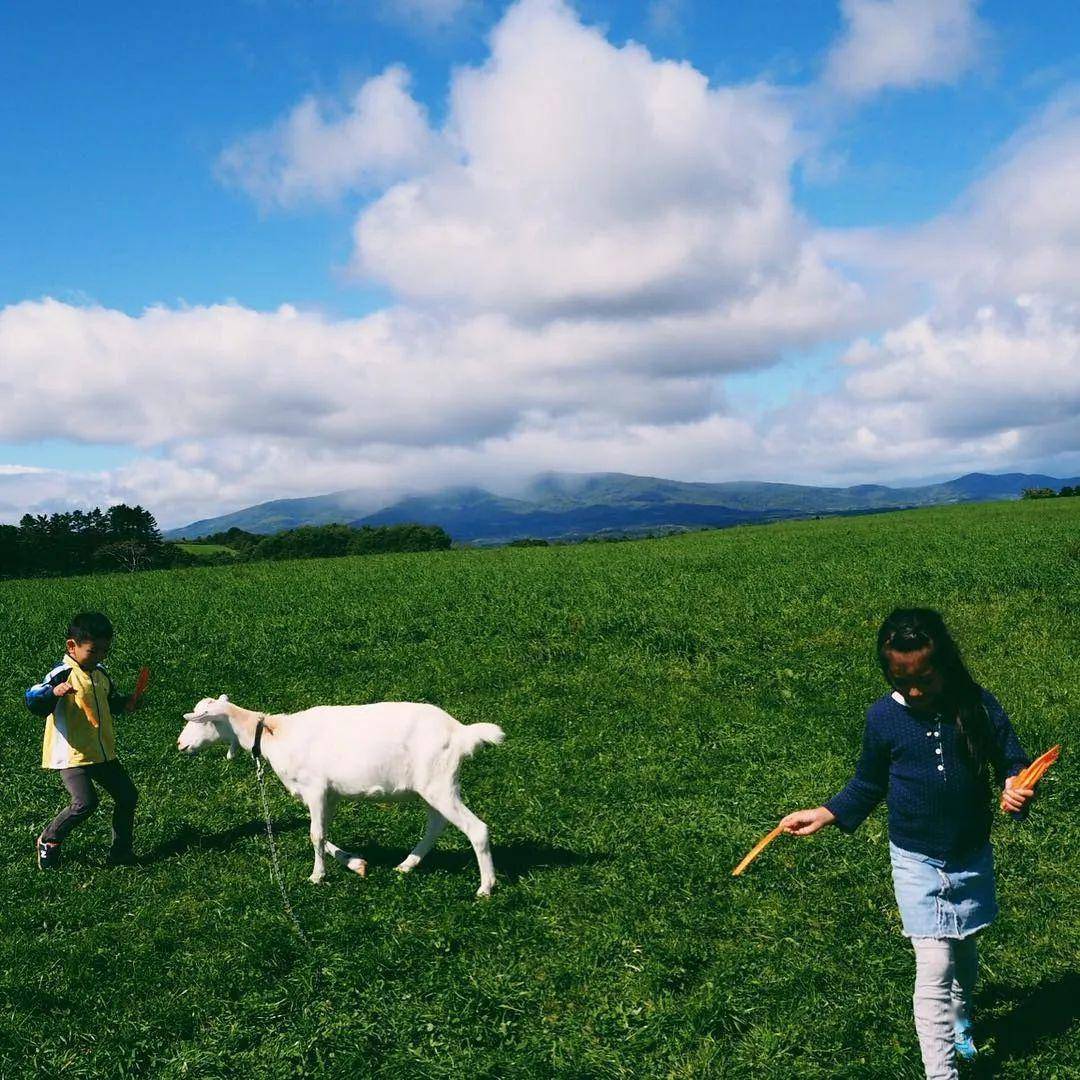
[[1046, 1012], [513, 861]]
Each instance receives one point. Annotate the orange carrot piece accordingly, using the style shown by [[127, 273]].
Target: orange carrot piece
[[756, 850], [1029, 777], [141, 683], [1037, 769]]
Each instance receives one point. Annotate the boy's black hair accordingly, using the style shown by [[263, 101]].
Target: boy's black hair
[[912, 629], [89, 626]]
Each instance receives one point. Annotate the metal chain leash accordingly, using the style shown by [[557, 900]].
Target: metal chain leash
[[275, 863]]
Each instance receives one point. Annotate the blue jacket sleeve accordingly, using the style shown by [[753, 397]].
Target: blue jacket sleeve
[[40, 699], [1009, 756], [867, 788]]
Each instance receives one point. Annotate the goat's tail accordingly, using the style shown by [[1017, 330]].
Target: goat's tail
[[470, 737]]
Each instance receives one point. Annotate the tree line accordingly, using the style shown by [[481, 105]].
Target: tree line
[[327, 541], [1066, 492], [83, 542], [127, 538]]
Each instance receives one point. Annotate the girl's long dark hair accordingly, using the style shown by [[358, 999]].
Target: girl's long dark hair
[[913, 629]]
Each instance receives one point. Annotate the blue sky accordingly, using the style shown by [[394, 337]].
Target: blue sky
[[119, 196]]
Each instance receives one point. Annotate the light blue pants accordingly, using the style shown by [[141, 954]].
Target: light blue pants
[[945, 974]]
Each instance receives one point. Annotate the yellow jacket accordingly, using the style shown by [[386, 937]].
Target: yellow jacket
[[79, 726]]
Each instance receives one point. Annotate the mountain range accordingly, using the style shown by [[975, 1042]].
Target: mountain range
[[569, 506]]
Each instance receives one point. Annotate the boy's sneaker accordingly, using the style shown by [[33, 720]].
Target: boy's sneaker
[[120, 857], [48, 855], [962, 1040]]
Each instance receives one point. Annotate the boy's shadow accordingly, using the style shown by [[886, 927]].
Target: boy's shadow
[[191, 838], [513, 861], [1049, 1010]]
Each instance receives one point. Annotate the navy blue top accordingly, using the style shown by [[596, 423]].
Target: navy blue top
[[936, 804]]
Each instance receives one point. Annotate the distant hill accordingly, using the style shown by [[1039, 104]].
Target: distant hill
[[568, 506]]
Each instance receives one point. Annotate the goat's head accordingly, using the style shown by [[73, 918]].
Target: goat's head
[[207, 723]]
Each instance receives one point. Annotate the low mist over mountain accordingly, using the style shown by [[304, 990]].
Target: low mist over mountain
[[568, 506]]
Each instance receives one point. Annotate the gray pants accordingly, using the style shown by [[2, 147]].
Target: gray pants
[[945, 973], [113, 777]]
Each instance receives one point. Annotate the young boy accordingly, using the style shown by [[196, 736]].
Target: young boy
[[79, 699]]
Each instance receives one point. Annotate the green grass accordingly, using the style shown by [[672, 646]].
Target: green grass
[[665, 702], [207, 549]]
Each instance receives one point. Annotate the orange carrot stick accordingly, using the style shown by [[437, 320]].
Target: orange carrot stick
[[141, 683], [1029, 777], [1037, 769], [756, 850]]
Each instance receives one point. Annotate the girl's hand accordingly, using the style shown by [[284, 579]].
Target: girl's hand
[[1013, 799], [805, 822]]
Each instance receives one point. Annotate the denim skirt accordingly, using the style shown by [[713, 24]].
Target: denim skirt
[[944, 898]]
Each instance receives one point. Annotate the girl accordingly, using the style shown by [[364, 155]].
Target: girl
[[929, 749]]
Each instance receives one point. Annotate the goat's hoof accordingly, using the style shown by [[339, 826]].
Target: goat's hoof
[[357, 866], [483, 893], [316, 879], [410, 862]]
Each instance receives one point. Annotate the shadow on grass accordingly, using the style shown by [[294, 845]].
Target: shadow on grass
[[512, 861], [189, 838], [1049, 1010]]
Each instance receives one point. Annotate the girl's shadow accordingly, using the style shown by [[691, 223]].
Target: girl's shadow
[[1048, 1011]]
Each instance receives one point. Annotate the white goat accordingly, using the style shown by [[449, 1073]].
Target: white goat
[[384, 751]]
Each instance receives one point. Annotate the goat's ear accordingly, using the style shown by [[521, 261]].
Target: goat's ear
[[191, 716], [223, 697]]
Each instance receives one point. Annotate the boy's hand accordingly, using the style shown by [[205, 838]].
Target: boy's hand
[[63, 689], [805, 822], [1013, 799]]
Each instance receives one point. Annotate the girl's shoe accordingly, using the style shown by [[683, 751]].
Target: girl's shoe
[[962, 1040], [48, 855]]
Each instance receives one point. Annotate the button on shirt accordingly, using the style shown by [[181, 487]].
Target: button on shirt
[[937, 805]]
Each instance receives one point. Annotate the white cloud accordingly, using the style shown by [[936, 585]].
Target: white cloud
[[319, 152], [1016, 230], [989, 373], [431, 14], [397, 378], [665, 16], [624, 185], [388, 414], [1009, 367], [903, 44], [1001, 387]]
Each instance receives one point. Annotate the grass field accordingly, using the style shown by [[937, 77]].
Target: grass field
[[206, 549], [664, 701]]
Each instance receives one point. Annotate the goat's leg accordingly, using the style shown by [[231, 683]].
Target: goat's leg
[[451, 807], [435, 825], [350, 860], [317, 806]]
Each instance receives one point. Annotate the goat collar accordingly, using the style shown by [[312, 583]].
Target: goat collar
[[256, 747]]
